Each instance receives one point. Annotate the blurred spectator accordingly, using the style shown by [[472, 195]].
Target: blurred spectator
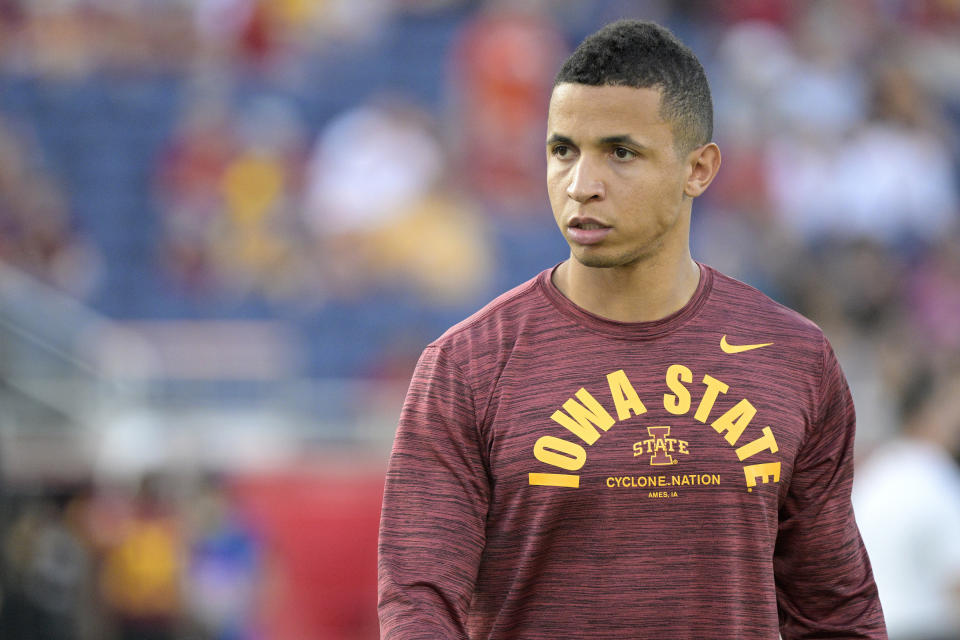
[[932, 48], [894, 177], [142, 568], [254, 238], [46, 571], [187, 177], [382, 208], [224, 573], [228, 186], [36, 231], [12, 17], [907, 502], [933, 300], [502, 71]]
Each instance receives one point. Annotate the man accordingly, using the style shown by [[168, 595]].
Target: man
[[907, 501], [630, 445]]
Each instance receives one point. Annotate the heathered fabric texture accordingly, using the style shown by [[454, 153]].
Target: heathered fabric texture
[[702, 494]]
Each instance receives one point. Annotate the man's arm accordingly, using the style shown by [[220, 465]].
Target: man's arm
[[825, 586], [432, 527]]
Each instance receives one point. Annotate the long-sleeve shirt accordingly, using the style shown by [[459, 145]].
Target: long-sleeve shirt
[[559, 475]]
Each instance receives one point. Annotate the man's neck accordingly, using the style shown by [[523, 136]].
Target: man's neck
[[641, 292]]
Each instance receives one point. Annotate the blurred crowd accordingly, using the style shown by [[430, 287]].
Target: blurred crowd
[[177, 555], [378, 164], [129, 562]]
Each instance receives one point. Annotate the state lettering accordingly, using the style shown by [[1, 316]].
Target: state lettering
[[586, 418]]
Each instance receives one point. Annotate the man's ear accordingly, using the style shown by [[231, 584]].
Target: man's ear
[[703, 163]]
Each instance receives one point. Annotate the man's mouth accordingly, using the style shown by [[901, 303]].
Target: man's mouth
[[586, 223], [587, 231]]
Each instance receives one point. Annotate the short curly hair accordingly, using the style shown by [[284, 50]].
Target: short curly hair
[[644, 55]]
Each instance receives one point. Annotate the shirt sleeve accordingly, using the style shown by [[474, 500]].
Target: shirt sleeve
[[432, 527], [824, 582]]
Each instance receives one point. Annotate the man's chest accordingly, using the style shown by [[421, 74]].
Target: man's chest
[[652, 421]]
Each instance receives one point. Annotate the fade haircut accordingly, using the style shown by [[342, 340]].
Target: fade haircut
[[644, 55]]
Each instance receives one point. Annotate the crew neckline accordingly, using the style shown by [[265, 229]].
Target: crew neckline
[[628, 330]]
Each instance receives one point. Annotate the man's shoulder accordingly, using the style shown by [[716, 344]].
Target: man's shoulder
[[745, 306], [500, 318]]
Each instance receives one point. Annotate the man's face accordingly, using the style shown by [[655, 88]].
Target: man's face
[[615, 179]]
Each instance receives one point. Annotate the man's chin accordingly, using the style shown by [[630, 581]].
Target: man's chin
[[596, 260], [599, 260]]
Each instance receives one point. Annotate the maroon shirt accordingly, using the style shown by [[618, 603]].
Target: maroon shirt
[[559, 475]]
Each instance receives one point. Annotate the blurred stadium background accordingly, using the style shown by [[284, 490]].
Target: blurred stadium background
[[228, 227]]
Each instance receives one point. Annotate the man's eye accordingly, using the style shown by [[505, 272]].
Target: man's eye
[[622, 153], [561, 150]]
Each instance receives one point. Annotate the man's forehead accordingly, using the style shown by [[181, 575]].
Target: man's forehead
[[608, 93], [597, 112]]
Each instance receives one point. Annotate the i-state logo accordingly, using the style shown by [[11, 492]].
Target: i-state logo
[[659, 446]]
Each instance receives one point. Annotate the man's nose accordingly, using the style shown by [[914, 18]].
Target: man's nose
[[585, 183]]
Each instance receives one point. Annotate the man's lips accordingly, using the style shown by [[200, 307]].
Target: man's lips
[[586, 231]]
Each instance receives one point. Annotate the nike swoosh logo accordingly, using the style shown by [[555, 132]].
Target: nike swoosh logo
[[740, 348]]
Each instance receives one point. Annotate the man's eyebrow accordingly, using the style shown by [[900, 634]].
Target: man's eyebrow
[[622, 139], [559, 139]]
